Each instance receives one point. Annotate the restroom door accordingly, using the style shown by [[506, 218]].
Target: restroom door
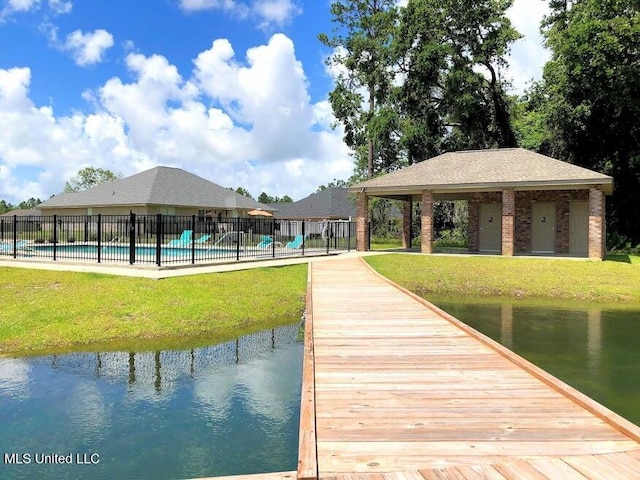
[[579, 228], [543, 228], [490, 228]]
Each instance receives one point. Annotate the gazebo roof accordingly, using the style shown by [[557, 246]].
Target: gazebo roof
[[484, 170]]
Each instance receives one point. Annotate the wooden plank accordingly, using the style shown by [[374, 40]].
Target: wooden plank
[[258, 476], [402, 388], [556, 468], [520, 470], [307, 449]]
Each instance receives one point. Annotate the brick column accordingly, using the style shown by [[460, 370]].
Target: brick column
[[426, 228], [596, 223], [508, 210], [362, 222], [407, 206]]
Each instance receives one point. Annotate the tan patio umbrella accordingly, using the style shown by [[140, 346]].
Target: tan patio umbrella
[[259, 213]]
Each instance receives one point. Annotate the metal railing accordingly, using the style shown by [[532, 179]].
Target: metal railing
[[168, 239]]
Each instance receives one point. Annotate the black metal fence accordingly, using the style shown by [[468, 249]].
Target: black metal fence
[[168, 239]]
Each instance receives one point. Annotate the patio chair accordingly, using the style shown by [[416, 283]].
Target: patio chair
[[296, 242], [185, 239], [266, 241], [203, 239]]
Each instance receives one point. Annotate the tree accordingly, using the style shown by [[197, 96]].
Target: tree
[[264, 198], [243, 191], [360, 99], [5, 207], [29, 204], [591, 103], [89, 177], [335, 183]]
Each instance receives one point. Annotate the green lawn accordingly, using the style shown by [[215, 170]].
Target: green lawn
[[615, 280], [46, 311]]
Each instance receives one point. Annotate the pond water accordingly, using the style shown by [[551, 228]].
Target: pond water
[[593, 348], [231, 408]]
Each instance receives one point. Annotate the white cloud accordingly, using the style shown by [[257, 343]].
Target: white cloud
[[267, 12], [528, 55], [60, 6], [12, 7], [88, 48], [236, 121]]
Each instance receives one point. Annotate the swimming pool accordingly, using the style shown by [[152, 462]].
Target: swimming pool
[[144, 254]]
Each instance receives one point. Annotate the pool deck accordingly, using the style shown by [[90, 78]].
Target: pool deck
[[394, 388]]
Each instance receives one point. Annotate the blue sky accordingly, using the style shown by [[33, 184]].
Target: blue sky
[[232, 90]]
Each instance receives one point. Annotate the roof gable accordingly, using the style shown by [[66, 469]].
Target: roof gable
[[331, 203], [157, 186], [486, 168]]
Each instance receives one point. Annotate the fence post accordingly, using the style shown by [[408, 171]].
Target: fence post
[[159, 233], [273, 237], [15, 235], [349, 237], [303, 235], [328, 236], [55, 237], [193, 239], [238, 238], [132, 238], [99, 237]]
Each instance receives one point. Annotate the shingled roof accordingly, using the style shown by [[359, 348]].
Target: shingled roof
[[330, 204], [157, 186], [485, 170]]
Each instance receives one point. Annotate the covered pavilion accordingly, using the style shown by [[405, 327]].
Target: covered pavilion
[[520, 202]]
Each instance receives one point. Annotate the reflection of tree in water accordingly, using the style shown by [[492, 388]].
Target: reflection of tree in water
[[163, 368]]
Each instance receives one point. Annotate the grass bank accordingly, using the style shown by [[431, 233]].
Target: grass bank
[[614, 280], [45, 312]]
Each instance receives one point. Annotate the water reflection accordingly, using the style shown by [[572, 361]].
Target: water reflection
[[592, 347], [230, 408]]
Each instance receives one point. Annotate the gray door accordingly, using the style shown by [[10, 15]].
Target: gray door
[[543, 228], [490, 228], [579, 228]]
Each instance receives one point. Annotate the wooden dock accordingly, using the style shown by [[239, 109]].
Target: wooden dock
[[394, 388]]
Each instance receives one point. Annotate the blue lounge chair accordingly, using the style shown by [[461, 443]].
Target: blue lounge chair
[[266, 242], [203, 238], [296, 242], [185, 239]]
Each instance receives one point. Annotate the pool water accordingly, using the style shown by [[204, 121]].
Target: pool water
[[231, 408]]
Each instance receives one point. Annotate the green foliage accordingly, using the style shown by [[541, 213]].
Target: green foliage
[[264, 198], [336, 183], [243, 191], [89, 177], [27, 205], [590, 97], [362, 56]]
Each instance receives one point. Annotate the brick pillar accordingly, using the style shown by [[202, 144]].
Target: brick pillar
[[474, 222], [362, 222], [508, 210], [407, 206], [426, 228], [596, 223]]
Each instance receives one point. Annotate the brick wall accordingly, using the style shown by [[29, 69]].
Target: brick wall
[[596, 223], [508, 211], [362, 222], [522, 218], [426, 229]]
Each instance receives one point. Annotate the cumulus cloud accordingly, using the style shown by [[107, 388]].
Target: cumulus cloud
[[267, 12], [12, 7], [238, 121], [88, 48]]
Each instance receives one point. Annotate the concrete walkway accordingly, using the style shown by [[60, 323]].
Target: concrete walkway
[[152, 272]]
